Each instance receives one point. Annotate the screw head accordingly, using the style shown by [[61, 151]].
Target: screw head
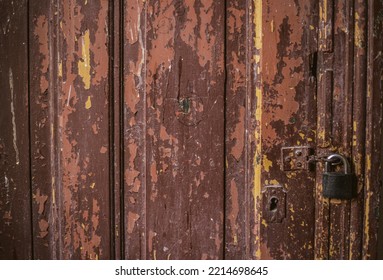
[[299, 164], [298, 153]]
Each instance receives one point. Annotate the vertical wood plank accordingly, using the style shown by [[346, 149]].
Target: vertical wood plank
[[374, 139], [239, 130], [174, 94], [342, 120], [43, 120], [84, 130], [324, 123], [359, 126], [15, 198], [134, 129], [285, 120], [117, 125]]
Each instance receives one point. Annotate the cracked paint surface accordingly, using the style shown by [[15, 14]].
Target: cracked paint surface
[[172, 113], [84, 149], [200, 101]]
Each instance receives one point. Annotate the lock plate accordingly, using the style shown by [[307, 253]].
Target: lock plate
[[274, 204], [296, 158]]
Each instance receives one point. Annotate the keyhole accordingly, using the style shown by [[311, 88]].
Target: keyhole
[[273, 204]]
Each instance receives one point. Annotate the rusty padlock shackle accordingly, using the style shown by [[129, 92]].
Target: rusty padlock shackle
[[346, 165]]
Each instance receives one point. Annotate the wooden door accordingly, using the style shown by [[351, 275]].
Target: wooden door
[[181, 129]]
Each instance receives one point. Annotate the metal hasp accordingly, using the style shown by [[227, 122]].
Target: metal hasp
[[296, 158], [339, 185]]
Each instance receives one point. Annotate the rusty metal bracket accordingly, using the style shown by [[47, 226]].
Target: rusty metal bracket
[[296, 158]]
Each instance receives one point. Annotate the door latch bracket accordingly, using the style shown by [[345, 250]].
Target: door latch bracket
[[296, 158]]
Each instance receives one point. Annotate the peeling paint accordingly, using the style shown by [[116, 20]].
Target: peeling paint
[[95, 128], [41, 200], [84, 62], [43, 226], [267, 163], [153, 172], [151, 236], [267, 110], [238, 135], [234, 210], [70, 91], [99, 49], [132, 219], [359, 33], [82, 35], [134, 79], [41, 32], [60, 69], [88, 103]]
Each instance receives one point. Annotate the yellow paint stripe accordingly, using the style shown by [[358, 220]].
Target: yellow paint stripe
[[258, 117], [267, 163], [84, 62], [60, 69], [359, 33]]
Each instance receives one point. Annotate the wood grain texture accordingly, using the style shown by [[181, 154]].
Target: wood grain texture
[[84, 130], [374, 128], [174, 127], [15, 195], [239, 131], [43, 125], [154, 129], [287, 102]]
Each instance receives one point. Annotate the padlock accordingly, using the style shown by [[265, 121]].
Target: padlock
[[336, 184]]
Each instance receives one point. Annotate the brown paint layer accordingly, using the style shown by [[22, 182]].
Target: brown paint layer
[[147, 132], [15, 197], [84, 156], [239, 130], [288, 102], [174, 128]]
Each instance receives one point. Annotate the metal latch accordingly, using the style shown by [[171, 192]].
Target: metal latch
[[302, 158], [296, 158]]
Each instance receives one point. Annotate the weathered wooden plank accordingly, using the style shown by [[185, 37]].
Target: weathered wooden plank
[[342, 122], [15, 208], [43, 121], [84, 130], [174, 94], [324, 115], [239, 130], [286, 103], [374, 127], [359, 126], [134, 129], [117, 125]]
